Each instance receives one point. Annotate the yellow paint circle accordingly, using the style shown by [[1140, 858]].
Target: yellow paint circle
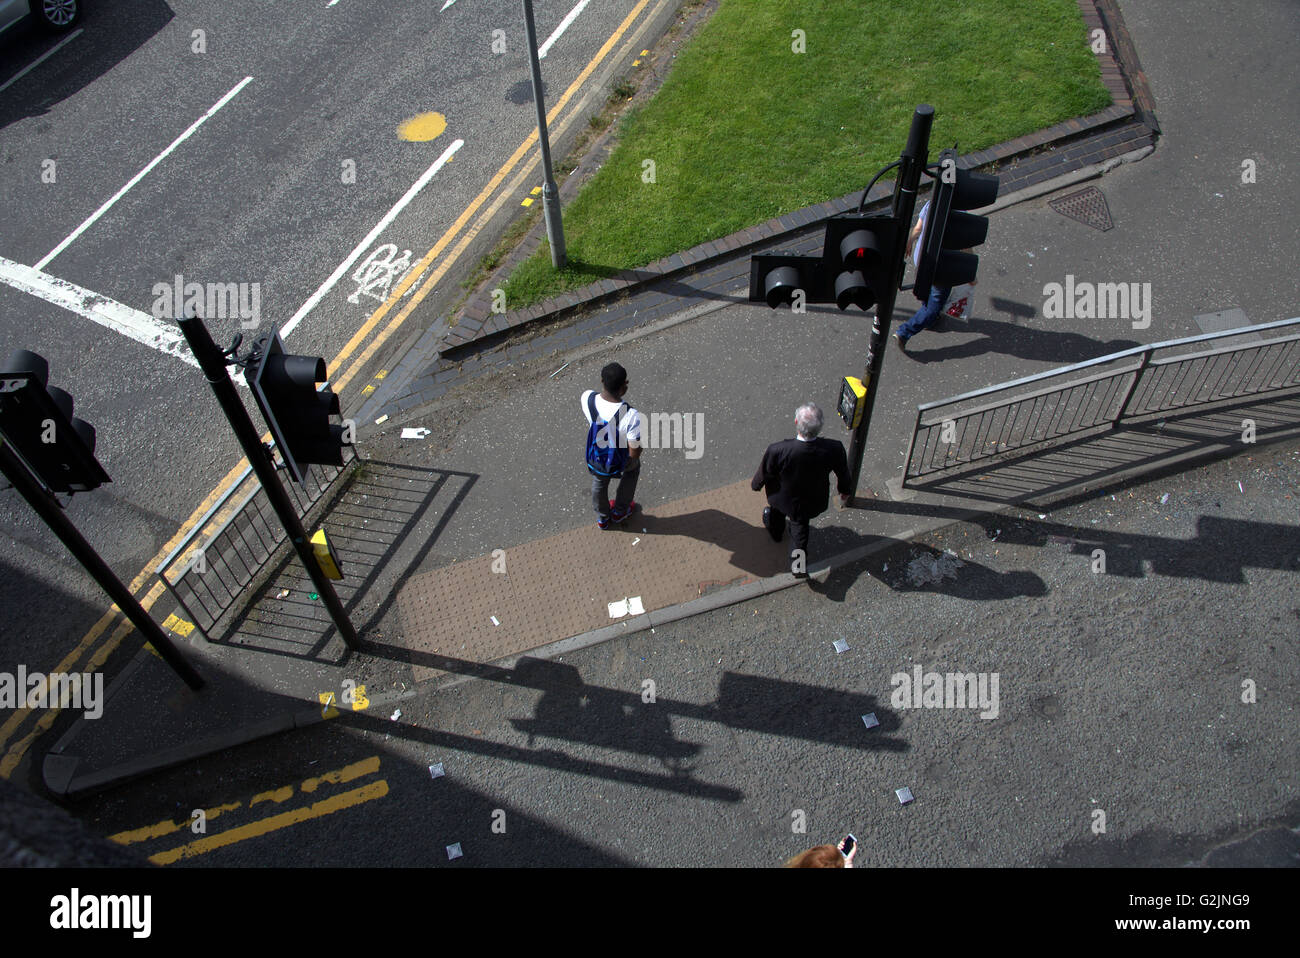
[[422, 127]]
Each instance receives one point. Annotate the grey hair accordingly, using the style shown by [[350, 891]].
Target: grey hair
[[808, 420]]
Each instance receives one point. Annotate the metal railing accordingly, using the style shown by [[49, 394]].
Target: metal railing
[[232, 542], [1104, 392]]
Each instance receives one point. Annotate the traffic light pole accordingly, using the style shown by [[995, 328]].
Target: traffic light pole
[[911, 164], [53, 515], [213, 363]]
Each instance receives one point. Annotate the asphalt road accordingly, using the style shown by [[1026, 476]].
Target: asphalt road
[[272, 192], [1107, 701]]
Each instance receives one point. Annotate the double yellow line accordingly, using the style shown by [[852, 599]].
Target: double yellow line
[[326, 806], [19, 747]]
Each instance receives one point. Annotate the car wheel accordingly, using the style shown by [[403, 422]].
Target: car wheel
[[56, 16]]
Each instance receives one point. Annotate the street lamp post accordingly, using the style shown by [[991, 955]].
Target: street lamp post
[[550, 194]]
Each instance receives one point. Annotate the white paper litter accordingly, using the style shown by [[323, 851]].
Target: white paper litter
[[904, 795], [436, 770], [494, 620], [636, 540], [454, 852], [840, 645], [634, 606], [409, 432], [381, 420], [618, 609], [395, 716], [870, 720]]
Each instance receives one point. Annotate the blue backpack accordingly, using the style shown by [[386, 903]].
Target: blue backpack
[[605, 456]]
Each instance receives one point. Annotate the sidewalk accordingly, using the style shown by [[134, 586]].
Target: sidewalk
[[499, 477]]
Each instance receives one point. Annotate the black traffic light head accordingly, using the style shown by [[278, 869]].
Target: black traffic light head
[[297, 414], [37, 423], [948, 231], [853, 269]]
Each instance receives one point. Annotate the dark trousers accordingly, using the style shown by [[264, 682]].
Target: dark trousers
[[626, 489], [798, 534]]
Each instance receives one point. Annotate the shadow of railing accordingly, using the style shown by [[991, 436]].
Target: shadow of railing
[[370, 523]]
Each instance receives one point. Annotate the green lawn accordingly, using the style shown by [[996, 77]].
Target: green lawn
[[745, 129]]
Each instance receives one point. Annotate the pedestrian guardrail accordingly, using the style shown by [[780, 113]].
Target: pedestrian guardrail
[[1107, 392], [233, 541]]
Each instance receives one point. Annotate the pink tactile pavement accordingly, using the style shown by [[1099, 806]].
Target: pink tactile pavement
[[562, 586]]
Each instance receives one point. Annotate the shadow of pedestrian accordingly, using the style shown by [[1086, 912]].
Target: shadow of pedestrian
[[1011, 339], [751, 548]]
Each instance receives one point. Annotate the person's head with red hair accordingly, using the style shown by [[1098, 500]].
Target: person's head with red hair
[[822, 856]]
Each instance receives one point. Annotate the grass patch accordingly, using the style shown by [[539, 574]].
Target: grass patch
[[745, 129]]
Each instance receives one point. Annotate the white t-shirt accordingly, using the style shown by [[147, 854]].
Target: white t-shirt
[[920, 218], [629, 420]]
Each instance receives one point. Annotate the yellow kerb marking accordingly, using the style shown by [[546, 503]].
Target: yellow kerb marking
[[178, 625]]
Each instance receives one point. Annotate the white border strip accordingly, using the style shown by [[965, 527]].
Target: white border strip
[[139, 176], [364, 245]]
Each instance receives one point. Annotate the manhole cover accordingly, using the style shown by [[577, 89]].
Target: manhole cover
[[1088, 206]]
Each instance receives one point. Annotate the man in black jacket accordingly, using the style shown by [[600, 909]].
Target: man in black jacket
[[794, 473]]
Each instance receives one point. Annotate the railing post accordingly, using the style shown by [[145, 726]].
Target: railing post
[[1137, 377]]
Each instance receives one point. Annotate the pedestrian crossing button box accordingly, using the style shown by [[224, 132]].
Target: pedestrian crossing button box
[[852, 400]]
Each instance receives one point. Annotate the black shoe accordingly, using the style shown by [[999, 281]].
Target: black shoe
[[767, 524]]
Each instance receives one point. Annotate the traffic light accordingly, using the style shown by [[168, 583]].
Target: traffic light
[[947, 230], [37, 423], [853, 270], [297, 413]]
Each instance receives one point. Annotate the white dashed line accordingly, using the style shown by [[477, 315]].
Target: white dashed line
[[141, 175], [41, 59], [564, 25]]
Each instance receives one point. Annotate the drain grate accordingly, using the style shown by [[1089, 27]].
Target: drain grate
[[1088, 206]]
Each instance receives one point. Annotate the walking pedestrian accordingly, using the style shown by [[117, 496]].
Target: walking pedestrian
[[933, 307], [613, 446], [794, 474]]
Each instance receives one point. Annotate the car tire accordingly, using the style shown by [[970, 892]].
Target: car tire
[[56, 16]]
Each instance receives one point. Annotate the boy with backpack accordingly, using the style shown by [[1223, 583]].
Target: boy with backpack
[[613, 446]]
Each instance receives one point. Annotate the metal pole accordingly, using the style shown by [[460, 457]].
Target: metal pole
[[213, 363], [550, 194], [47, 507], [912, 162]]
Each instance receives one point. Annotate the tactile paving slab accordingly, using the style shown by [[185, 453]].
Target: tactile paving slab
[[559, 587]]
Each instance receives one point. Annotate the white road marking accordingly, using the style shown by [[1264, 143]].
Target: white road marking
[[446, 5], [108, 313], [141, 175], [364, 245], [39, 60], [564, 25]]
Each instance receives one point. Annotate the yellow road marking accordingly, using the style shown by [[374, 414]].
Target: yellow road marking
[[19, 748], [277, 795], [328, 806], [422, 127], [167, 827], [346, 774]]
